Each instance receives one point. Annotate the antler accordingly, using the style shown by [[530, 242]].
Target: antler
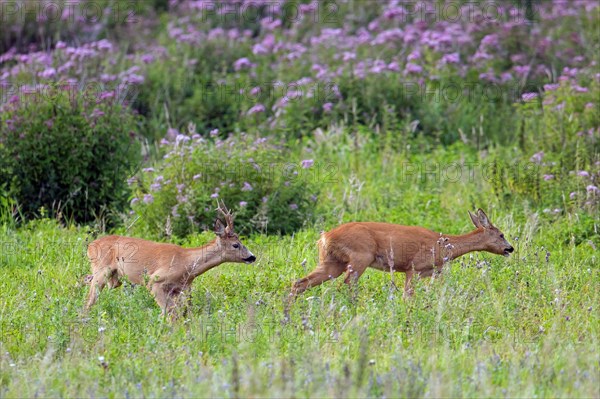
[[226, 214]]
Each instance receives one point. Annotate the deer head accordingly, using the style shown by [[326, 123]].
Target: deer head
[[493, 238], [232, 249]]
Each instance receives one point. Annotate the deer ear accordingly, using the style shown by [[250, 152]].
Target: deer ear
[[485, 222], [219, 228], [474, 219]]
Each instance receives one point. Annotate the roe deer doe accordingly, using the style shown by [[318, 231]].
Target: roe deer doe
[[352, 247], [170, 268]]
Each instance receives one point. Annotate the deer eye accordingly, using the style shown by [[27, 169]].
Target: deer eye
[[236, 245], [501, 235]]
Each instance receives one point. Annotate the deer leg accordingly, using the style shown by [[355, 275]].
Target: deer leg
[[184, 300], [114, 281], [325, 271], [408, 291], [356, 267], [163, 297], [99, 280]]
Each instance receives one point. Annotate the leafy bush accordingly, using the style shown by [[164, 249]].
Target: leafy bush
[[558, 163], [252, 175], [564, 121], [28, 24], [67, 152]]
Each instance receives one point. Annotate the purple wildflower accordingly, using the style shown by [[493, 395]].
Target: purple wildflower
[[413, 68], [48, 73], [247, 187], [529, 96], [548, 177], [415, 55], [148, 198], [107, 94], [394, 66], [256, 109], [452, 58], [242, 63], [133, 79], [147, 58], [537, 157], [96, 113], [181, 138], [293, 207], [307, 163]]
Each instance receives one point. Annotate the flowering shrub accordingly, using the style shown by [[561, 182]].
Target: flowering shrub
[[362, 63], [560, 137], [426, 70], [564, 120], [24, 22], [252, 175], [294, 66], [67, 152]]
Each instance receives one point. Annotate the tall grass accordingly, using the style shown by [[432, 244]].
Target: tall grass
[[518, 327]]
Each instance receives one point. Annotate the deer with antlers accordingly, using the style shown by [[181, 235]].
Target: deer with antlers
[[170, 269]]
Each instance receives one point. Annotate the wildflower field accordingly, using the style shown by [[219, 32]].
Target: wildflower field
[[133, 118]]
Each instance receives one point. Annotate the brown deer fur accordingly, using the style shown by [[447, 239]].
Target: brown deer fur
[[169, 269], [352, 247]]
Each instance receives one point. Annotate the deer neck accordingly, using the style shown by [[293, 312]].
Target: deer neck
[[464, 243], [204, 258]]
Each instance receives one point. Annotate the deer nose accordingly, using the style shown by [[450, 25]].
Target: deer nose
[[510, 249], [250, 259]]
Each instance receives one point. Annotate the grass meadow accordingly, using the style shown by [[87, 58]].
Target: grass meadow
[[135, 126], [524, 326]]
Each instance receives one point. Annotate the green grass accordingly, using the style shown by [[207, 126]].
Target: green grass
[[524, 326]]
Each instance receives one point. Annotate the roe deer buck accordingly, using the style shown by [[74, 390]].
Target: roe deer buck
[[352, 247], [170, 268]]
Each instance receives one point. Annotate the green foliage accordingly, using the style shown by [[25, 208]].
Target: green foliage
[[413, 146], [67, 153], [563, 121], [29, 22], [520, 326], [559, 164], [253, 176]]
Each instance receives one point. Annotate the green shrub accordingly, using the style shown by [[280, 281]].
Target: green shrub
[[67, 152], [558, 162], [39, 23], [563, 121], [251, 175]]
